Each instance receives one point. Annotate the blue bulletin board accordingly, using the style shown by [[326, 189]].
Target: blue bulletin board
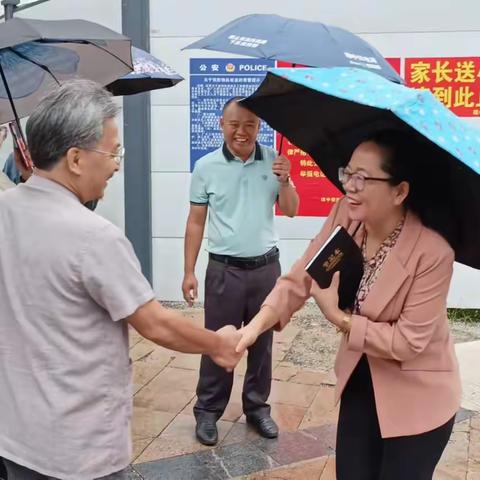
[[212, 82]]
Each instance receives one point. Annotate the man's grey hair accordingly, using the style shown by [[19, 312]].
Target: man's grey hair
[[70, 116]]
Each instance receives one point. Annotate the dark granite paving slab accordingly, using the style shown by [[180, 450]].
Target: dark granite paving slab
[[132, 474], [234, 460], [292, 447], [176, 468], [242, 458], [464, 414]]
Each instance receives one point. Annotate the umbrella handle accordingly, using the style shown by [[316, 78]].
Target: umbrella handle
[[15, 126], [281, 144], [294, 65], [280, 150], [20, 144]]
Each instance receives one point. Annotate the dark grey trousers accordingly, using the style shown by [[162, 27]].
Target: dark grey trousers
[[17, 472], [233, 296]]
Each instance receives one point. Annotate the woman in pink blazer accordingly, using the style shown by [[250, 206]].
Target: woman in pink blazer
[[397, 375]]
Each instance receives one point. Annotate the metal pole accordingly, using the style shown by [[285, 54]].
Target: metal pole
[[136, 136], [9, 7]]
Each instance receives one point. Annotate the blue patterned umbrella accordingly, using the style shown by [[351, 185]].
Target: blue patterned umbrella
[[149, 73], [327, 112]]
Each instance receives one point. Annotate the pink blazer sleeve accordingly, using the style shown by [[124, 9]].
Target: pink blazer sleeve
[[293, 289], [425, 306]]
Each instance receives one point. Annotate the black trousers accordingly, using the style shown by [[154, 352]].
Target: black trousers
[[234, 296], [362, 454]]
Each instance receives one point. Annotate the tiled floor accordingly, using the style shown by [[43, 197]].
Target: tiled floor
[[322, 468], [302, 404]]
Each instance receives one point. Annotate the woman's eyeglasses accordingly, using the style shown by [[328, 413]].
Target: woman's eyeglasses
[[358, 180]]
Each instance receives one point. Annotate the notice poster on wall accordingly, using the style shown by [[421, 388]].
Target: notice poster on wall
[[317, 193], [455, 81], [212, 83]]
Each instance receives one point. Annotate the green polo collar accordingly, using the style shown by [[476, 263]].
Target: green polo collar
[[229, 156]]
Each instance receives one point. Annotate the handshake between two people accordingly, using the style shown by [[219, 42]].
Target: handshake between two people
[[232, 345], [234, 342]]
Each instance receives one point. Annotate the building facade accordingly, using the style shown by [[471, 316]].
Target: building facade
[[402, 30]]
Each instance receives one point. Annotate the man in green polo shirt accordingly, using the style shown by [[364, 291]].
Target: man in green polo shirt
[[238, 185]]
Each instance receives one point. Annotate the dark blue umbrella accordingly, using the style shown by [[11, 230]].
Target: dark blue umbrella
[[300, 42], [149, 73], [328, 111]]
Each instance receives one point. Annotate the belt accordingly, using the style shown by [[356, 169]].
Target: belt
[[247, 263]]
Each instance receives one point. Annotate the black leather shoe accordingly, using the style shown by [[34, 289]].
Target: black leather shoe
[[265, 426], [206, 431]]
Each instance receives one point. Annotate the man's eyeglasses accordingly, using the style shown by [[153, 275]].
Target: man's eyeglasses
[[358, 180], [117, 156]]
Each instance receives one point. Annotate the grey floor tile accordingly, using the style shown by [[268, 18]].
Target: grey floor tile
[[184, 467], [242, 458], [463, 414], [132, 474], [292, 447], [235, 460]]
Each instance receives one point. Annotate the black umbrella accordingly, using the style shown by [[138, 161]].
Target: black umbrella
[[36, 55], [149, 73], [328, 111]]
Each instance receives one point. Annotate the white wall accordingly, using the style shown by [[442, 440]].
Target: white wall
[[407, 28], [397, 29]]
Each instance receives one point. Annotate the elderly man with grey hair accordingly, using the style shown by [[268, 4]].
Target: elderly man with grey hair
[[70, 284]]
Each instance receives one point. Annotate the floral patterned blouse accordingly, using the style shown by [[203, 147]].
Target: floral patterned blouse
[[372, 267]]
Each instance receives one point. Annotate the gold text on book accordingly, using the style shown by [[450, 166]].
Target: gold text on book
[[333, 260]]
